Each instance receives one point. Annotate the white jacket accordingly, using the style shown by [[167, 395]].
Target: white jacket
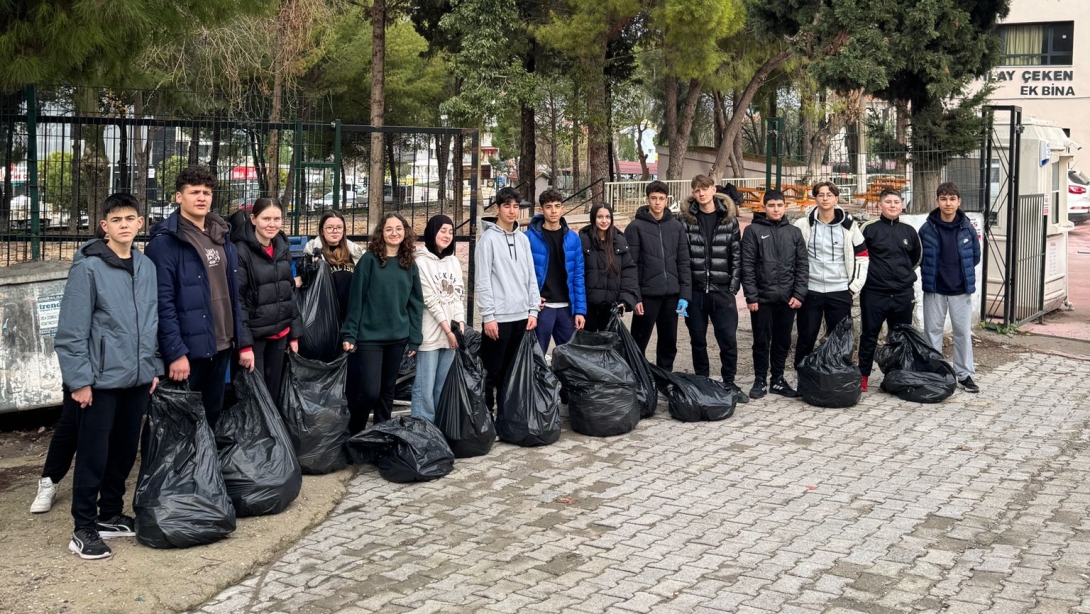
[[856, 259], [444, 296]]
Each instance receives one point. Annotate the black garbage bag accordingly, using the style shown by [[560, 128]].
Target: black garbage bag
[[406, 377], [601, 387], [315, 412], [473, 341], [913, 370], [647, 394], [528, 413], [827, 376], [180, 499], [319, 313], [462, 415], [255, 454], [406, 449], [695, 398]]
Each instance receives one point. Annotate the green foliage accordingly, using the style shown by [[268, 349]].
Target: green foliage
[[167, 172], [692, 31], [55, 175]]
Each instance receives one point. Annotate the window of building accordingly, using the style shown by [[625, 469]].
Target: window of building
[[1037, 44]]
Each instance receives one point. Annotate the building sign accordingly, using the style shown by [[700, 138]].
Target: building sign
[[49, 312], [1037, 82]]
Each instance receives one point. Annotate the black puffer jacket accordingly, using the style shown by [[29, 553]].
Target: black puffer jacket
[[265, 286], [661, 253], [775, 266], [602, 287], [716, 268]]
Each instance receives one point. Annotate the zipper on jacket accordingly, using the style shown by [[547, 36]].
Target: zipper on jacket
[[136, 308], [101, 354], [662, 246]]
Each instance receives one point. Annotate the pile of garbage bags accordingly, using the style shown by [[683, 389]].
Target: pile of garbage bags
[[528, 412], [827, 376], [406, 449], [255, 454], [181, 499], [461, 414], [315, 412], [647, 394], [914, 371], [600, 385], [695, 398]]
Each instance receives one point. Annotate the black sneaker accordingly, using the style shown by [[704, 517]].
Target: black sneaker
[[969, 385], [118, 526], [742, 398], [759, 389], [88, 545], [782, 388]]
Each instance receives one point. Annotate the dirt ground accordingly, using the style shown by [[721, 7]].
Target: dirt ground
[[41, 575]]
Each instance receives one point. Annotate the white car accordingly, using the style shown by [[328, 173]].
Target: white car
[[1078, 196]]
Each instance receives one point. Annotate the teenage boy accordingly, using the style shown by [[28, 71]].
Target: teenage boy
[[657, 242], [775, 273], [199, 311], [110, 366], [558, 266], [506, 291], [888, 296], [838, 266], [715, 259], [951, 251]]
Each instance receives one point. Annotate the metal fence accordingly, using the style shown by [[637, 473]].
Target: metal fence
[[58, 167]]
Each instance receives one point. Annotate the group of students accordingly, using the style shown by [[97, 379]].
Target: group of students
[[208, 293]]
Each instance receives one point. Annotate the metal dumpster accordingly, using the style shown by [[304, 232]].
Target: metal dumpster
[[30, 303]]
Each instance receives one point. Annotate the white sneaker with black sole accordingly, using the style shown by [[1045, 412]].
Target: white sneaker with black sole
[[88, 545], [43, 501], [118, 526]]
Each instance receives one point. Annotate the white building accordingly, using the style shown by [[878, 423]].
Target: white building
[[1046, 65]]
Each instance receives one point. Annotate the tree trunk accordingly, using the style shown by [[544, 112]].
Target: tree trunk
[[739, 164], [194, 145], [9, 154], [220, 197], [554, 136], [73, 210], [646, 176], [94, 166], [598, 125], [576, 132], [273, 155], [459, 182], [679, 129], [391, 161], [378, 110], [260, 167], [124, 183], [527, 154], [442, 153], [735, 124], [926, 165]]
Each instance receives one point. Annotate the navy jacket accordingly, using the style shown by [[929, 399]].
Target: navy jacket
[[573, 261], [186, 327], [968, 250]]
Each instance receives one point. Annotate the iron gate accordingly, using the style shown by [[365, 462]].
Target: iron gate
[[1015, 228]]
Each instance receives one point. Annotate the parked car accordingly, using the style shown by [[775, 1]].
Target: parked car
[[1078, 196]]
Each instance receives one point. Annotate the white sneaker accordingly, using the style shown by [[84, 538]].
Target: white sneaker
[[44, 501]]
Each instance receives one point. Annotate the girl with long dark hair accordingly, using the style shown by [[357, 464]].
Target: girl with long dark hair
[[609, 271], [339, 252], [385, 309]]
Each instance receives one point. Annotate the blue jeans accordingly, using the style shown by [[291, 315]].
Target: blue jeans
[[557, 324], [431, 373]]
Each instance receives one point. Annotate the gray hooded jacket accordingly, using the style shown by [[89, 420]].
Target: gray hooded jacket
[[505, 284], [107, 333]]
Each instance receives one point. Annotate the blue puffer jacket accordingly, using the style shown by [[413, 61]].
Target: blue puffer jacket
[[573, 261], [968, 250], [186, 327]]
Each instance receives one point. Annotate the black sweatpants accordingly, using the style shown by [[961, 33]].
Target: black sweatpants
[[658, 312], [771, 334], [876, 309], [109, 432], [62, 447], [722, 310], [269, 355], [379, 364], [209, 376], [497, 356], [597, 317], [829, 306]]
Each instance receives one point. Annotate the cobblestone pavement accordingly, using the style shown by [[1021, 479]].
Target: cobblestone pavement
[[975, 505]]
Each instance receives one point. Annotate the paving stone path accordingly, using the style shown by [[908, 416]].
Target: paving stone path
[[979, 504]]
